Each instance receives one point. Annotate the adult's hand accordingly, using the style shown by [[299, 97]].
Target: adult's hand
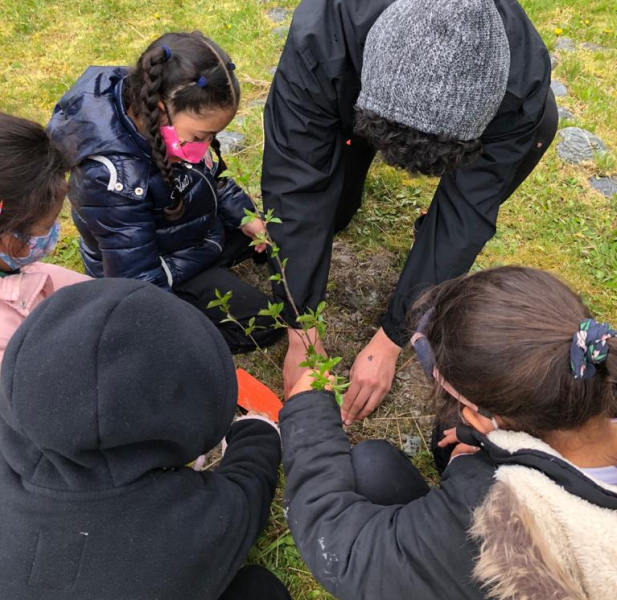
[[371, 378], [296, 354]]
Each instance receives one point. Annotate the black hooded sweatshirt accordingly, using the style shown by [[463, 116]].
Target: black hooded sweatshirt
[[106, 391]]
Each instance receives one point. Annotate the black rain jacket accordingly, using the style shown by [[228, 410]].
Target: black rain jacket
[[309, 118]]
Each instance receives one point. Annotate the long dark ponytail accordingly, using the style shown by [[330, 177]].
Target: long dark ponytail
[[166, 73]]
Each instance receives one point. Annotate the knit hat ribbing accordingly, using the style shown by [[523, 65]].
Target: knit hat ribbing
[[438, 66]]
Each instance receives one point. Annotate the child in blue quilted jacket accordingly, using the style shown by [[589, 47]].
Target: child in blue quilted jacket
[[148, 190]]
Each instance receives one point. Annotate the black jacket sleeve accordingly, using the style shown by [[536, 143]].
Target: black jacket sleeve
[[462, 216], [302, 175], [363, 551], [250, 465]]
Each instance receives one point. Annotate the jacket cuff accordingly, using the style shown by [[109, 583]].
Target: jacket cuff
[[399, 335], [310, 396]]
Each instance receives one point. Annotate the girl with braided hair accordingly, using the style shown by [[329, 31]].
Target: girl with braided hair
[[147, 188]]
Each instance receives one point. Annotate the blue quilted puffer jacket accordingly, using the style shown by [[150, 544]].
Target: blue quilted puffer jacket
[[118, 195]]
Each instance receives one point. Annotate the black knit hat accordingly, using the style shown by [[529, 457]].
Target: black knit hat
[[109, 380]]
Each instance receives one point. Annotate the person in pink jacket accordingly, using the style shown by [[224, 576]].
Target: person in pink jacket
[[32, 190]]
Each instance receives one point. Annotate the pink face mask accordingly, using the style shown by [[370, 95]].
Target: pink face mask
[[192, 152]]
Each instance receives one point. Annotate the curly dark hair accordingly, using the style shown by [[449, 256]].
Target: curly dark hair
[[413, 150]]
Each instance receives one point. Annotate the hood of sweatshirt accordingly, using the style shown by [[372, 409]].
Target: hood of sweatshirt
[[109, 380]]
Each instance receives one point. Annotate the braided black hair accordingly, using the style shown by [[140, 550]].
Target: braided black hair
[[413, 150], [167, 72]]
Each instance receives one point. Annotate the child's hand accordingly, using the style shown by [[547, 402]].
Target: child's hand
[[252, 230], [449, 438], [305, 383]]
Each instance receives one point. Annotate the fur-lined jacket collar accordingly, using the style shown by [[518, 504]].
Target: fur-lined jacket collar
[[545, 530]]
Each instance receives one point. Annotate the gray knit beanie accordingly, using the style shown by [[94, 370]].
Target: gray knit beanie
[[438, 66]]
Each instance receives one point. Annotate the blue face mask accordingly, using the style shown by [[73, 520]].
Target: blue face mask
[[40, 246]]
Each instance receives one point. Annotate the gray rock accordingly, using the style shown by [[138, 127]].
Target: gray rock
[[272, 71], [554, 60], [281, 31], [559, 89], [592, 47], [565, 44], [240, 120], [412, 444], [278, 15], [605, 185], [231, 142], [565, 114], [577, 145], [257, 103], [404, 376]]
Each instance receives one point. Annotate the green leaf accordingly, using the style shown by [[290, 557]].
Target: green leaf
[[278, 277]]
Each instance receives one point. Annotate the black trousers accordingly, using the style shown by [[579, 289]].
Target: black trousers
[[245, 303], [384, 475], [256, 583]]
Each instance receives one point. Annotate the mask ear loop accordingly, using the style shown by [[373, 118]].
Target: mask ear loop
[[420, 343]]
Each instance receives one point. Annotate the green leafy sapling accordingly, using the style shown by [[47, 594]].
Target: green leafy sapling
[[322, 367]]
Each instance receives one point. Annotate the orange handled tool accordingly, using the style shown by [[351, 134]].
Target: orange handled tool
[[254, 395]]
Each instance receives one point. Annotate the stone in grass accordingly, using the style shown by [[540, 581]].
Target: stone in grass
[[412, 444], [278, 15], [605, 185], [231, 142], [554, 61], [592, 47], [577, 145], [559, 89], [272, 71], [281, 31], [565, 44], [564, 114], [257, 103]]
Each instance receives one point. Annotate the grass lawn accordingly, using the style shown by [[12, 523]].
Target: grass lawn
[[555, 221]]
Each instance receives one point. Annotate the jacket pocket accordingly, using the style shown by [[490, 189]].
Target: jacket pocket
[[57, 559]]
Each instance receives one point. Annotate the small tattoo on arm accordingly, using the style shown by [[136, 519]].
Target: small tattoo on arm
[[370, 358]]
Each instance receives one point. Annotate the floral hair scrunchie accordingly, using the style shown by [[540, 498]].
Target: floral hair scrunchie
[[589, 347]]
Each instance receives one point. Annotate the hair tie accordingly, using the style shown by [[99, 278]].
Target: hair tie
[[202, 82], [1, 206], [231, 66], [589, 348], [167, 53]]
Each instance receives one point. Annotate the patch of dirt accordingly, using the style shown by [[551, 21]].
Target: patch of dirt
[[359, 290], [358, 295]]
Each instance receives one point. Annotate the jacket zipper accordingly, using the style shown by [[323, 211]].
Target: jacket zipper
[[189, 167]]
